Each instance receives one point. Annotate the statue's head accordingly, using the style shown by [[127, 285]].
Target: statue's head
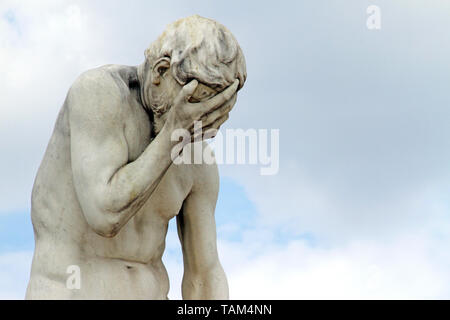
[[190, 48]]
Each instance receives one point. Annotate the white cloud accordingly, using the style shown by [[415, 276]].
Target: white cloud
[[406, 268], [297, 204]]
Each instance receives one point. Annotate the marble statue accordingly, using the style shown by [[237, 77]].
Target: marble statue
[[107, 186]]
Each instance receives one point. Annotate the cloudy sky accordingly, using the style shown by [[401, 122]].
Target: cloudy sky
[[360, 207]]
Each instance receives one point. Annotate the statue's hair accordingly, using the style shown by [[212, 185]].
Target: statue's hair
[[202, 49]]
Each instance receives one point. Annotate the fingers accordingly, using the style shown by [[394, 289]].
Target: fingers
[[216, 125], [219, 112], [188, 90], [211, 130], [219, 99], [212, 113]]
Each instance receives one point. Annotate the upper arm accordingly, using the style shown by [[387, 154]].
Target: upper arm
[[98, 145], [196, 223]]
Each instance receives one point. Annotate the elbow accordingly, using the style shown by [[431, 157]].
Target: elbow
[[105, 224], [108, 218], [106, 232], [103, 213]]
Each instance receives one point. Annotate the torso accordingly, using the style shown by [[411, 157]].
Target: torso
[[133, 257]]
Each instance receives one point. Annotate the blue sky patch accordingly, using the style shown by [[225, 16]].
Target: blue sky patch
[[16, 232]]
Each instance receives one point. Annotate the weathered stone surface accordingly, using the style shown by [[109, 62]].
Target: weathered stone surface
[[107, 186]]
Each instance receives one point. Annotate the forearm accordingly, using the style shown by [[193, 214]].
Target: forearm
[[210, 285], [131, 186]]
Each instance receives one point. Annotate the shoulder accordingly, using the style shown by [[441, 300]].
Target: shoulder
[[99, 82], [96, 92]]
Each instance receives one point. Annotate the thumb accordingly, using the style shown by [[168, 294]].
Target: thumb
[[189, 89]]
